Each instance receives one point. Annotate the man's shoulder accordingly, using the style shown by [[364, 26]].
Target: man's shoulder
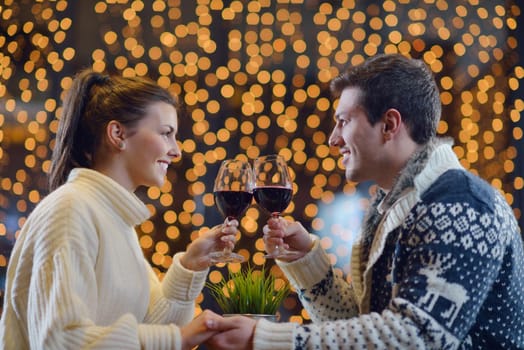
[[461, 185], [462, 190]]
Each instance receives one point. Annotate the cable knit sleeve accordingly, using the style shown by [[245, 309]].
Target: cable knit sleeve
[[173, 300], [58, 316], [54, 300]]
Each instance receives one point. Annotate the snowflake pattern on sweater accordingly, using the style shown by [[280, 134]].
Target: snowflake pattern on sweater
[[450, 276]]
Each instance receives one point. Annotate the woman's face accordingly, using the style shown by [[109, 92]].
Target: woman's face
[[151, 146]]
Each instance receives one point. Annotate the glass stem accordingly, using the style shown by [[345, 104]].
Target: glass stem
[[227, 250], [278, 248]]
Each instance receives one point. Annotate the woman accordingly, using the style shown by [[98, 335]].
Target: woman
[[77, 277]]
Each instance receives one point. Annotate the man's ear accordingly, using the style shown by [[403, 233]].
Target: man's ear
[[115, 134], [392, 120]]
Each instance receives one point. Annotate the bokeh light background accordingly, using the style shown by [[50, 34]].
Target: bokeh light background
[[253, 78]]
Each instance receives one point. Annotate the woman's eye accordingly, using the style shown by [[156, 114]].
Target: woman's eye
[[168, 133]]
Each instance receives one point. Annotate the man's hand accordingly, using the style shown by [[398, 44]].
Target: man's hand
[[199, 329], [233, 333], [291, 235]]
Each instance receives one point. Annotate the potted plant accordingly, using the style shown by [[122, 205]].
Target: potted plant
[[250, 292]]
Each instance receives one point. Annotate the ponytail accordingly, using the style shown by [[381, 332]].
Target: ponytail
[[74, 143]]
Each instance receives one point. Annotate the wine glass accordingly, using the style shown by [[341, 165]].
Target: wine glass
[[233, 192], [273, 191]]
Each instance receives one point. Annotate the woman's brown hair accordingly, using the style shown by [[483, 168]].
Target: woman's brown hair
[[93, 100]]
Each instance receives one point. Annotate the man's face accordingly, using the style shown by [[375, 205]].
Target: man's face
[[358, 141]]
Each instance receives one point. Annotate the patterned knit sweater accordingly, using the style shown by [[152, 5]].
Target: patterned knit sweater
[[439, 265], [77, 277]]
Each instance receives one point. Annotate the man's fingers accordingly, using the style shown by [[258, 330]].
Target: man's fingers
[[223, 324]]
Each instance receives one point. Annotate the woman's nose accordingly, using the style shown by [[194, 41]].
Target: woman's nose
[[175, 151]]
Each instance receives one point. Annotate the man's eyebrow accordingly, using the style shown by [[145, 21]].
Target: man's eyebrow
[[340, 116]]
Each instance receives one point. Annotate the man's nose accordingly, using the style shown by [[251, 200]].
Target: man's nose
[[334, 138]]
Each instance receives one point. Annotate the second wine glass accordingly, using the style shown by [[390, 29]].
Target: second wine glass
[[233, 192], [273, 191]]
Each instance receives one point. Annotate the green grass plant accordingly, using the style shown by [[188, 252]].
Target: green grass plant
[[249, 291]]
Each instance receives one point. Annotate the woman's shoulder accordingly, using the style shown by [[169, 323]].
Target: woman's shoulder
[[64, 199], [61, 213]]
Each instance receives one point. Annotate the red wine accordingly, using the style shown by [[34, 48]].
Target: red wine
[[274, 199], [232, 204]]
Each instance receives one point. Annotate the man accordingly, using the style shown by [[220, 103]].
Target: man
[[439, 263]]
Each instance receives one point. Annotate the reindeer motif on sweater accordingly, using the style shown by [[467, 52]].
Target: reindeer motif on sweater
[[439, 288]]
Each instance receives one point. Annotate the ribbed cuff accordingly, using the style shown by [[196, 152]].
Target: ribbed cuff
[[274, 336], [182, 284], [308, 270], [159, 337]]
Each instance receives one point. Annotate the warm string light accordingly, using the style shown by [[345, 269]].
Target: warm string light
[[253, 77]]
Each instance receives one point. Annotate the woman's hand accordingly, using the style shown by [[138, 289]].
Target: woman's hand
[[292, 235], [200, 329], [233, 333], [217, 238]]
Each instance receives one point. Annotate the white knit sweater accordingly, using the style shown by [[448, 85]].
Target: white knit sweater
[[77, 277]]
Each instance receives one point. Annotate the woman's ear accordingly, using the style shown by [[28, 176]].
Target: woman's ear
[[115, 135], [392, 120]]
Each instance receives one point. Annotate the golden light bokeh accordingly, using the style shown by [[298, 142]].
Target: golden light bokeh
[[253, 79]]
